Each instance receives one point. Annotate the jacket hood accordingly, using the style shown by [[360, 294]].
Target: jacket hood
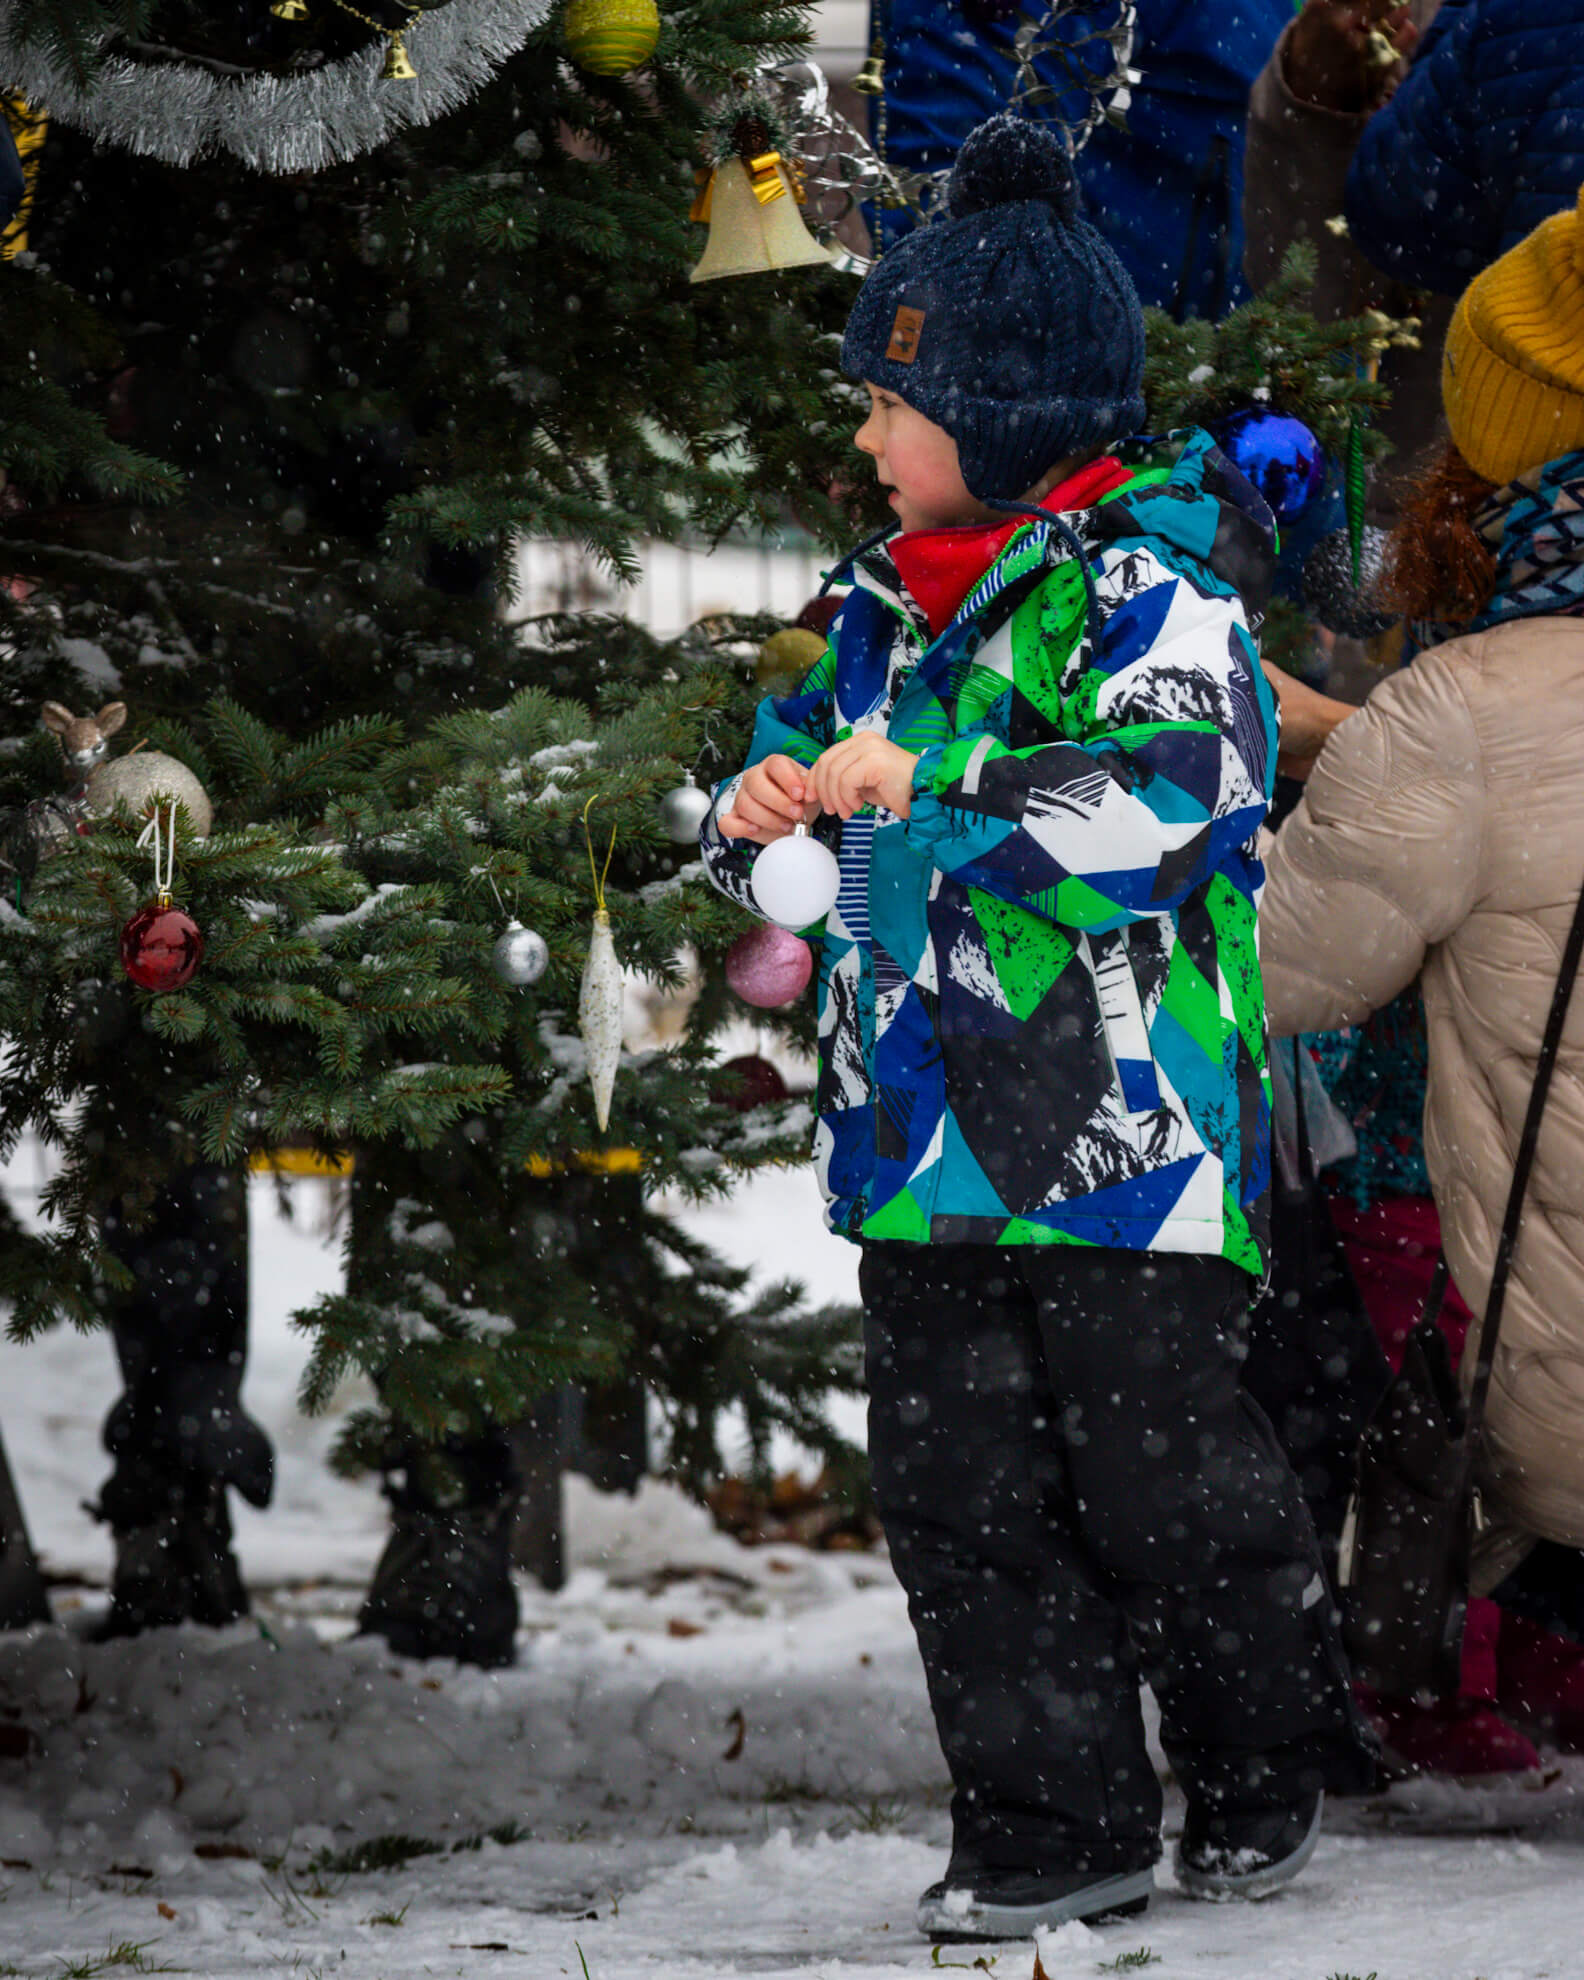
[[1188, 494]]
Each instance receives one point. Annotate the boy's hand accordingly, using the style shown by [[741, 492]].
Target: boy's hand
[[772, 799], [865, 769]]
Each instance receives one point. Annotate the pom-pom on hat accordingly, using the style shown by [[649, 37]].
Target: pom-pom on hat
[[1011, 323]]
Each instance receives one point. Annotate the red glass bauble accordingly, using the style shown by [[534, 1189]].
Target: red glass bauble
[[161, 947], [745, 1083]]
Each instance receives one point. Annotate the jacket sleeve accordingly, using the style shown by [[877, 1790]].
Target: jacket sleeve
[[1380, 860], [1295, 169], [1168, 775], [799, 725], [1421, 204]]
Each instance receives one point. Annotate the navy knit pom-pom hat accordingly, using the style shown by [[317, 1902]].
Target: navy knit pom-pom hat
[[1011, 323]]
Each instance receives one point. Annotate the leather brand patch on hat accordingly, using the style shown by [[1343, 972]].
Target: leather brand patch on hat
[[905, 335]]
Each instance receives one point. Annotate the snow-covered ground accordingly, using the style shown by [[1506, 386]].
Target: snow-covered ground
[[710, 1763]]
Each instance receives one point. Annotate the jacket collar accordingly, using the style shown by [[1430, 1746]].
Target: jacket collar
[[940, 567]]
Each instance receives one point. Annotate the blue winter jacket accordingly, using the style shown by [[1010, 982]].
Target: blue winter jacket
[[1483, 141], [1167, 192]]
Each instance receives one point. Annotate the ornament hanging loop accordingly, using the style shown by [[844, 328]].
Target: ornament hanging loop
[[164, 853], [600, 873]]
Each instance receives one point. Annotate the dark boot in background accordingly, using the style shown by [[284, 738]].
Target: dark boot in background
[[173, 1560], [443, 1586], [178, 1433]]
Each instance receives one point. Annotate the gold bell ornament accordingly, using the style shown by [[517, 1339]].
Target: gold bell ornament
[[754, 223], [611, 37], [290, 10], [397, 66], [870, 79]]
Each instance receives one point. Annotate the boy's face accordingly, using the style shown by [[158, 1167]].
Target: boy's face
[[917, 460]]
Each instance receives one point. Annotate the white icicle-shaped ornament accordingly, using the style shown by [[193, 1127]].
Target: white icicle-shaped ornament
[[600, 1014]]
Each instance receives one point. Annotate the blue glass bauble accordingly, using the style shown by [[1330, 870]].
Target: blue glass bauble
[[1278, 454]]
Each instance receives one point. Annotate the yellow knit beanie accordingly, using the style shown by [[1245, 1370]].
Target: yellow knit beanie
[[1512, 376]]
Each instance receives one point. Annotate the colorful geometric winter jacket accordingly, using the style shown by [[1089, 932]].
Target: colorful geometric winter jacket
[[1041, 1018]]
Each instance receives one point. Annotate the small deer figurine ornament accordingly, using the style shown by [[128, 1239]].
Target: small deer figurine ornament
[[84, 738]]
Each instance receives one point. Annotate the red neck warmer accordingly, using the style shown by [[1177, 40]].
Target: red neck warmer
[[940, 566]]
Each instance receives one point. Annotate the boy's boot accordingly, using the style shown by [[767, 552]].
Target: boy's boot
[[443, 1585], [1228, 1851], [1015, 1904]]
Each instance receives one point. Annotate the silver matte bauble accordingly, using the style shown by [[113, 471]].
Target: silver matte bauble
[[1354, 610], [683, 811], [146, 777], [520, 955]]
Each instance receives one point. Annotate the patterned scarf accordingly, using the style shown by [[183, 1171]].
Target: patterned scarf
[[1535, 529]]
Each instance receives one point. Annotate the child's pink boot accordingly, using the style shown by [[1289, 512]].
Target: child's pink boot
[[1540, 1679], [1462, 1738]]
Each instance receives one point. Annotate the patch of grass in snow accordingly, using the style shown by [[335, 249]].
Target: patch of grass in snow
[[128, 1954], [377, 1853], [779, 1792], [394, 1852], [505, 1833], [1351, 1976], [876, 1817], [391, 1917], [1131, 1962]]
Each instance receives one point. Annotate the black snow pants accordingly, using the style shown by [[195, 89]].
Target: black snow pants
[[1077, 1494]]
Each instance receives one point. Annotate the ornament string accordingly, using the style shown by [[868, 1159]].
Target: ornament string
[[164, 854], [600, 875], [493, 888]]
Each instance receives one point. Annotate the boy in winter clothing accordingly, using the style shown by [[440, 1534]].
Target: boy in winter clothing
[[1043, 1095]]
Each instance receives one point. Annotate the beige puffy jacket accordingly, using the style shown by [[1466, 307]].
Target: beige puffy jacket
[[1442, 831]]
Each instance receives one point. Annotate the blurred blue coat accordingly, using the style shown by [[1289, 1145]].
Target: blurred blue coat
[[1168, 192], [1483, 140]]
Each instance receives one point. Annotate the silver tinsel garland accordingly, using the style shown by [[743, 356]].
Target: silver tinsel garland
[[179, 111]]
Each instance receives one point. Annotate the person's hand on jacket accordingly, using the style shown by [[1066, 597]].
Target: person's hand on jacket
[[1337, 53], [1307, 719]]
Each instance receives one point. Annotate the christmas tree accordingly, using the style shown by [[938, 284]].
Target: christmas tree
[[359, 388]]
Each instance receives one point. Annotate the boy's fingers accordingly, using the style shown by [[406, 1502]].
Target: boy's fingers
[[786, 775]]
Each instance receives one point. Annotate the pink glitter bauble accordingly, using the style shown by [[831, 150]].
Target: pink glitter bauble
[[769, 967]]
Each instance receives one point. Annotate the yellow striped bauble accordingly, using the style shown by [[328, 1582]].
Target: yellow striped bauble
[[611, 37]]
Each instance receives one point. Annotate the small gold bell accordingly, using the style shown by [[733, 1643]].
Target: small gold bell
[[870, 79], [290, 10], [398, 64]]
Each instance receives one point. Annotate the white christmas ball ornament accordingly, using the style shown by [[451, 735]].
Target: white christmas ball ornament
[[520, 955], [683, 811], [796, 880]]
